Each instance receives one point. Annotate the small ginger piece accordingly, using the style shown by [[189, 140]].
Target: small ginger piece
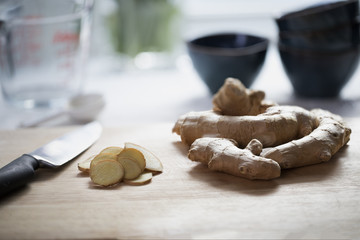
[[255, 147], [223, 155], [144, 178], [131, 167], [234, 99], [134, 154], [153, 163], [106, 172]]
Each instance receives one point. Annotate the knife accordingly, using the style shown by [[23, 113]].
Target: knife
[[53, 154]]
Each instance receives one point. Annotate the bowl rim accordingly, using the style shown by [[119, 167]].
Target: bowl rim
[[318, 53], [312, 10], [290, 34], [255, 48]]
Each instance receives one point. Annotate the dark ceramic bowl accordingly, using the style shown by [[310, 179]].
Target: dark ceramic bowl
[[319, 74], [217, 57], [320, 16], [336, 38]]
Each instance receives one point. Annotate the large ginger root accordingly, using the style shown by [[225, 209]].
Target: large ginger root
[[223, 155], [234, 99], [319, 146], [278, 125], [291, 135]]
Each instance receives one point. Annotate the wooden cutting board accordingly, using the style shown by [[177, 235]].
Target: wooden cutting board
[[186, 201]]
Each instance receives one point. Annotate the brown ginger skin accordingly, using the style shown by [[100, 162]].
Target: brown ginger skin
[[234, 99], [319, 146], [278, 125], [293, 136], [223, 155]]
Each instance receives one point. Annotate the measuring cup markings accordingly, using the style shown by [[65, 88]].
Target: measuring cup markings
[[42, 57], [67, 51], [25, 53]]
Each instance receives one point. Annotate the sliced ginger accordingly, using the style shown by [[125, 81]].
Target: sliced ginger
[[103, 156], [115, 164], [153, 163], [133, 154], [112, 150], [144, 178], [107, 172], [85, 165], [131, 166]]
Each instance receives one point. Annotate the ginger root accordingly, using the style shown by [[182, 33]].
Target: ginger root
[[278, 125], [291, 136], [223, 155], [234, 99], [319, 146]]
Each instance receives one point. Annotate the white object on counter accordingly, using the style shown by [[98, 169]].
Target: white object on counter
[[82, 108]]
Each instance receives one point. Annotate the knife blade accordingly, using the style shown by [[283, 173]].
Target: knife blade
[[53, 154]]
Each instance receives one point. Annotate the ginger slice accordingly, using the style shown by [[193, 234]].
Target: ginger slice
[[223, 155], [131, 167], [134, 154], [153, 163], [103, 156], [144, 178], [106, 172], [112, 150], [84, 166]]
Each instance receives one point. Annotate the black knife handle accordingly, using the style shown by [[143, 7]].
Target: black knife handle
[[17, 173]]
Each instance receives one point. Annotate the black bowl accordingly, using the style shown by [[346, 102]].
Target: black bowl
[[219, 56], [337, 38], [319, 74], [320, 16]]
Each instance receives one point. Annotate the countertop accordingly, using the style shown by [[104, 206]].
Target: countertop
[[186, 201]]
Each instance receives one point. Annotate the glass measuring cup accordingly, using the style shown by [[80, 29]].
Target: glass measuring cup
[[43, 48]]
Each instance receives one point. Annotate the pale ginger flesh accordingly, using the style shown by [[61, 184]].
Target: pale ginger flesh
[[152, 162], [115, 164], [221, 154], [135, 155], [144, 178], [106, 172]]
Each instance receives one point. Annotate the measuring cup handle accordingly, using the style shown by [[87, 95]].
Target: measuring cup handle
[[5, 42]]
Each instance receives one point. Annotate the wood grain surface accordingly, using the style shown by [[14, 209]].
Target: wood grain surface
[[186, 201]]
